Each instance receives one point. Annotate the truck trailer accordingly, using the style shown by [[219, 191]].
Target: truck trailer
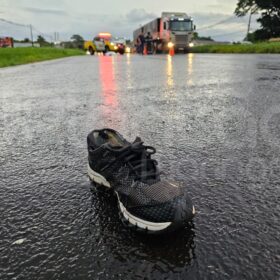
[[170, 30]]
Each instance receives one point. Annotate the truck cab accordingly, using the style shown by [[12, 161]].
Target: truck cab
[[177, 28], [171, 30]]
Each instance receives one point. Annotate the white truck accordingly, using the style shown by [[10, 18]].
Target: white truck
[[170, 30]]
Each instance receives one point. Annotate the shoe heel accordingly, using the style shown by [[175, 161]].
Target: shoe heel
[[98, 178]]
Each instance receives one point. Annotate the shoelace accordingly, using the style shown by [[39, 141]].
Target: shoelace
[[138, 158]]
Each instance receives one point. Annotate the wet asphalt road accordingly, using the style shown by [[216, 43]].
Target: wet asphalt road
[[215, 122]]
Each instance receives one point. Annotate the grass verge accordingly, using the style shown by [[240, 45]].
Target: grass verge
[[17, 56], [254, 48]]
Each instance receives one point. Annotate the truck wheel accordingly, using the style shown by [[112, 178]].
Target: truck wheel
[[91, 50], [121, 51]]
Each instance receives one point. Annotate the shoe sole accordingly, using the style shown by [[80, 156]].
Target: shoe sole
[[139, 224], [98, 178]]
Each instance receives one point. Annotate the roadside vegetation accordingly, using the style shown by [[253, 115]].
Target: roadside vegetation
[[239, 48], [17, 56], [269, 18]]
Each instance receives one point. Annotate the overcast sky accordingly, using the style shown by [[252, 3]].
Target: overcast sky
[[89, 17]]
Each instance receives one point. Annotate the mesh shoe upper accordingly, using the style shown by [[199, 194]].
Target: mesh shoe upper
[[134, 176]]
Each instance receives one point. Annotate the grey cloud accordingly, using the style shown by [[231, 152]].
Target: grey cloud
[[119, 25], [122, 25], [45, 11], [223, 5], [98, 18], [91, 22], [210, 18], [139, 15]]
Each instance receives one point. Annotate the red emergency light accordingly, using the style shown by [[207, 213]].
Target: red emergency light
[[104, 35]]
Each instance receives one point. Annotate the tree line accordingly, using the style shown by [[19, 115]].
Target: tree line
[[76, 41]]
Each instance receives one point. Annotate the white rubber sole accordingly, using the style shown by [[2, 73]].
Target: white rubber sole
[[97, 178], [150, 226]]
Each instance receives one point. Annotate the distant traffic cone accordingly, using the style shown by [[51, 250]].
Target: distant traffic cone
[[171, 51], [145, 51]]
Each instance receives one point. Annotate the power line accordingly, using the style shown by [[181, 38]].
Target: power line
[[19, 24], [41, 33], [228, 34], [26, 25], [217, 23], [13, 23]]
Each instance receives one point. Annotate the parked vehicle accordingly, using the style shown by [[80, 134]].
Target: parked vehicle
[[6, 42], [103, 42], [96, 45], [108, 40], [170, 30], [120, 45]]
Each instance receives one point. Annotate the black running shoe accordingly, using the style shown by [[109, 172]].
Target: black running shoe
[[145, 202]]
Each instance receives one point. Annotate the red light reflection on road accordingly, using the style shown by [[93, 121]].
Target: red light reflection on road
[[108, 83]]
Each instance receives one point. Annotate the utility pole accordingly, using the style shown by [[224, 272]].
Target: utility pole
[[249, 25], [31, 33], [56, 36]]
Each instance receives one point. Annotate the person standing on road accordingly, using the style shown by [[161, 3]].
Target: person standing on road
[[141, 43], [149, 43]]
